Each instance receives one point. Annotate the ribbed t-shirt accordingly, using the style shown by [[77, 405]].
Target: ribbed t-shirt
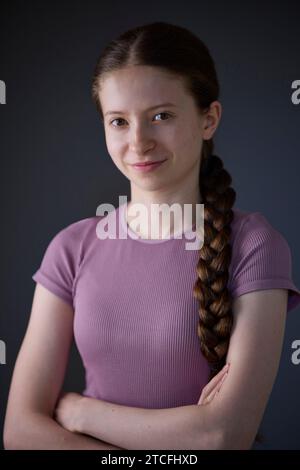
[[135, 316]]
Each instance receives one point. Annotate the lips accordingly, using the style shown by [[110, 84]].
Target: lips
[[147, 167], [148, 163]]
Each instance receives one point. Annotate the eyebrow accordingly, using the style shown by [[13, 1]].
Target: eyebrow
[[149, 109]]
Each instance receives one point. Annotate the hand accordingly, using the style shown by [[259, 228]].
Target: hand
[[213, 387], [67, 411]]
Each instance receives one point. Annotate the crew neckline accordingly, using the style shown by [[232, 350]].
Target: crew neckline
[[134, 236]]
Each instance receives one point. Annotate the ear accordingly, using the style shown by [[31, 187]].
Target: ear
[[211, 120]]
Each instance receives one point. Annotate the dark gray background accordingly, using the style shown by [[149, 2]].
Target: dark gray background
[[55, 168]]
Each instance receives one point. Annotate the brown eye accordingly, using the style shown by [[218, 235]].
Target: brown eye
[[161, 114], [117, 119]]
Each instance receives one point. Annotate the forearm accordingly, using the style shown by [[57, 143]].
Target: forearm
[[38, 432], [143, 428]]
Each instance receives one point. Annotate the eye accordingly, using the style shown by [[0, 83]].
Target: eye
[[121, 119], [117, 119], [161, 114]]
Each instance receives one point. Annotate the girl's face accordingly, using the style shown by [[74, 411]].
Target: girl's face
[[149, 116]]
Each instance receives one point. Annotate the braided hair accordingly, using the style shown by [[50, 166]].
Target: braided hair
[[210, 289]]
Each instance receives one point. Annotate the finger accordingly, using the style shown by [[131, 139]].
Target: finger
[[219, 386], [213, 386], [216, 390], [210, 397], [214, 381]]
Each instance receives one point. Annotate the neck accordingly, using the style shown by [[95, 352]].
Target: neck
[[157, 216]]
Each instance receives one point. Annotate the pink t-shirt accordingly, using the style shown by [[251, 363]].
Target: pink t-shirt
[[135, 316]]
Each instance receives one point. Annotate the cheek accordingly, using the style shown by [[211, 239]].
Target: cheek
[[181, 134], [111, 143], [191, 142], [114, 147], [187, 146], [190, 136]]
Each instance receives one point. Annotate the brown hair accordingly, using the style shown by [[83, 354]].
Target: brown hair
[[177, 50]]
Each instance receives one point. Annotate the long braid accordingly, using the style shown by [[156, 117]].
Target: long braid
[[215, 315]]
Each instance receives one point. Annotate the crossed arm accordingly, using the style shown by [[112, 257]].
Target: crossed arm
[[230, 421], [137, 428], [233, 417]]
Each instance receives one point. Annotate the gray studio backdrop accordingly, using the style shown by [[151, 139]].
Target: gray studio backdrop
[[55, 168]]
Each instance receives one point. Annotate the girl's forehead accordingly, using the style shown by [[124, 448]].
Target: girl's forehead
[[121, 93], [149, 79]]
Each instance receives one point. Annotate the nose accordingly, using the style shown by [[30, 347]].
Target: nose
[[140, 139]]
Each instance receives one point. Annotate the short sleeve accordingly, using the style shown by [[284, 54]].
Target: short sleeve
[[59, 264], [261, 259]]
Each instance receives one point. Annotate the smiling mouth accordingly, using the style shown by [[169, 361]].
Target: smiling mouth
[[148, 163], [147, 167]]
